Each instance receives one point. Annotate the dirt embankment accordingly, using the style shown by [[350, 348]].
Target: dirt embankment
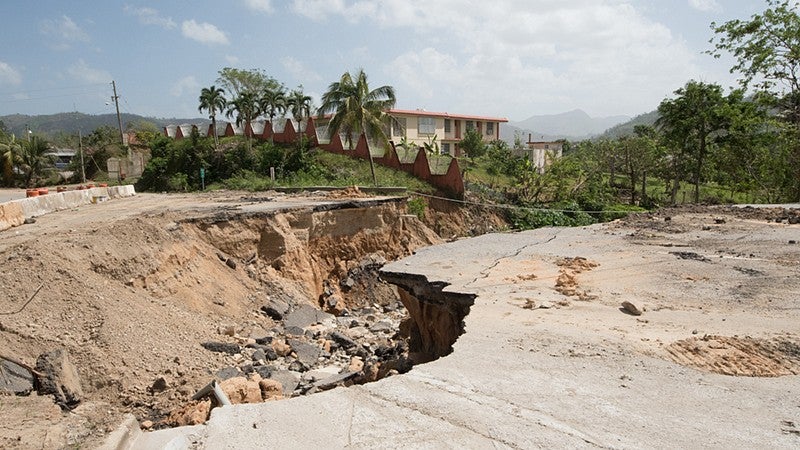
[[132, 300]]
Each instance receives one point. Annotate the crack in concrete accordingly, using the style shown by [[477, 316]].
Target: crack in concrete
[[485, 272], [538, 417]]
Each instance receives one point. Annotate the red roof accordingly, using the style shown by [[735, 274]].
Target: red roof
[[422, 112]]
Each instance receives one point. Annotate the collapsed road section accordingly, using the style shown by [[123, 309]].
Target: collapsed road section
[[149, 299]]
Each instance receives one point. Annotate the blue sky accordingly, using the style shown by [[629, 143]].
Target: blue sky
[[508, 58]]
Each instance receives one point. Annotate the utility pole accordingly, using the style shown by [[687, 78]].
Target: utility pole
[[119, 120], [80, 148]]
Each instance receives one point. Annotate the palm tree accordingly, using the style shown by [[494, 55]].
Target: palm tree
[[300, 105], [9, 157], [272, 103], [212, 99], [356, 109], [33, 159], [246, 109]]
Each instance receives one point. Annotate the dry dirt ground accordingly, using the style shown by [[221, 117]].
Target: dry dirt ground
[[132, 286]]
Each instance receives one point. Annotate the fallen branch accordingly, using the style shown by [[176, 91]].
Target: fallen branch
[[21, 364], [26, 303]]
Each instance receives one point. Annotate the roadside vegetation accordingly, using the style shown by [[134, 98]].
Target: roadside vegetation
[[704, 144]]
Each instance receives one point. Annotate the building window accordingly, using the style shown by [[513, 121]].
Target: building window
[[446, 125], [489, 128], [470, 125], [446, 148], [398, 126], [547, 146], [426, 125]]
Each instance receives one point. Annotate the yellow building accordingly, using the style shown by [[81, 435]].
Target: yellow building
[[419, 127]]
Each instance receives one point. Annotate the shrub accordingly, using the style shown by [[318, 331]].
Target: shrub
[[417, 207]]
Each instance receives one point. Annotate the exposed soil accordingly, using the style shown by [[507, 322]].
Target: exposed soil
[[739, 356], [131, 289]]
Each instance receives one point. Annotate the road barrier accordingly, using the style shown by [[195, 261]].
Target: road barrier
[[15, 212]]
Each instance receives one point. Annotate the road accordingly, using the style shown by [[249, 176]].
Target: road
[[550, 359]]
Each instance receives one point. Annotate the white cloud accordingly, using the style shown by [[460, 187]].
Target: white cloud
[[705, 5], [299, 70], [63, 32], [525, 55], [150, 16], [320, 10], [264, 6], [82, 72], [9, 75], [232, 59], [204, 32], [185, 85]]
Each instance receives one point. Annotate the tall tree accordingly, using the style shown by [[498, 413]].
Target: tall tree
[[239, 81], [245, 109], [213, 100], [34, 160], [356, 109], [10, 150], [300, 105], [690, 122], [767, 52], [272, 103]]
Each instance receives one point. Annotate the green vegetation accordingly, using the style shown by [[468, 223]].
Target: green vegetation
[[213, 100], [356, 109]]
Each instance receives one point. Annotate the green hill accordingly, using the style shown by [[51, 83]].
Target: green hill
[[70, 123], [626, 129]]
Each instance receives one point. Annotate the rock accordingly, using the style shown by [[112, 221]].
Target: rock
[[306, 353], [356, 364], [146, 425], [192, 413], [382, 326], [259, 355], [221, 347], [227, 373], [294, 331], [241, 390], [334, 304], [29, 220], [323, 373], [159, 385], [347, 283], [271, 390], [344, 341], [344, 321], [357, 332], [334, 380], [304, 316], [227, 329], [263, 371], [632, 309], [276, 309], [289, 380], [15, 378], [281, 348], [230, 263], [297, 366], [221, 257], [58, 378]]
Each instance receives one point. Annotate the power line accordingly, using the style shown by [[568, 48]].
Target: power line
[[51, 89], [504, 206]]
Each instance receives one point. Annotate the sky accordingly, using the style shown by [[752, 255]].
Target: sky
[[500, 58]]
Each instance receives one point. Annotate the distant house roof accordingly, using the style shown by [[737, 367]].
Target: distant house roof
[[422, 112]]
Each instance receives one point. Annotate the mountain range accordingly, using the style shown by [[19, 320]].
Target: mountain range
[[573, 125], [71, 122]]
